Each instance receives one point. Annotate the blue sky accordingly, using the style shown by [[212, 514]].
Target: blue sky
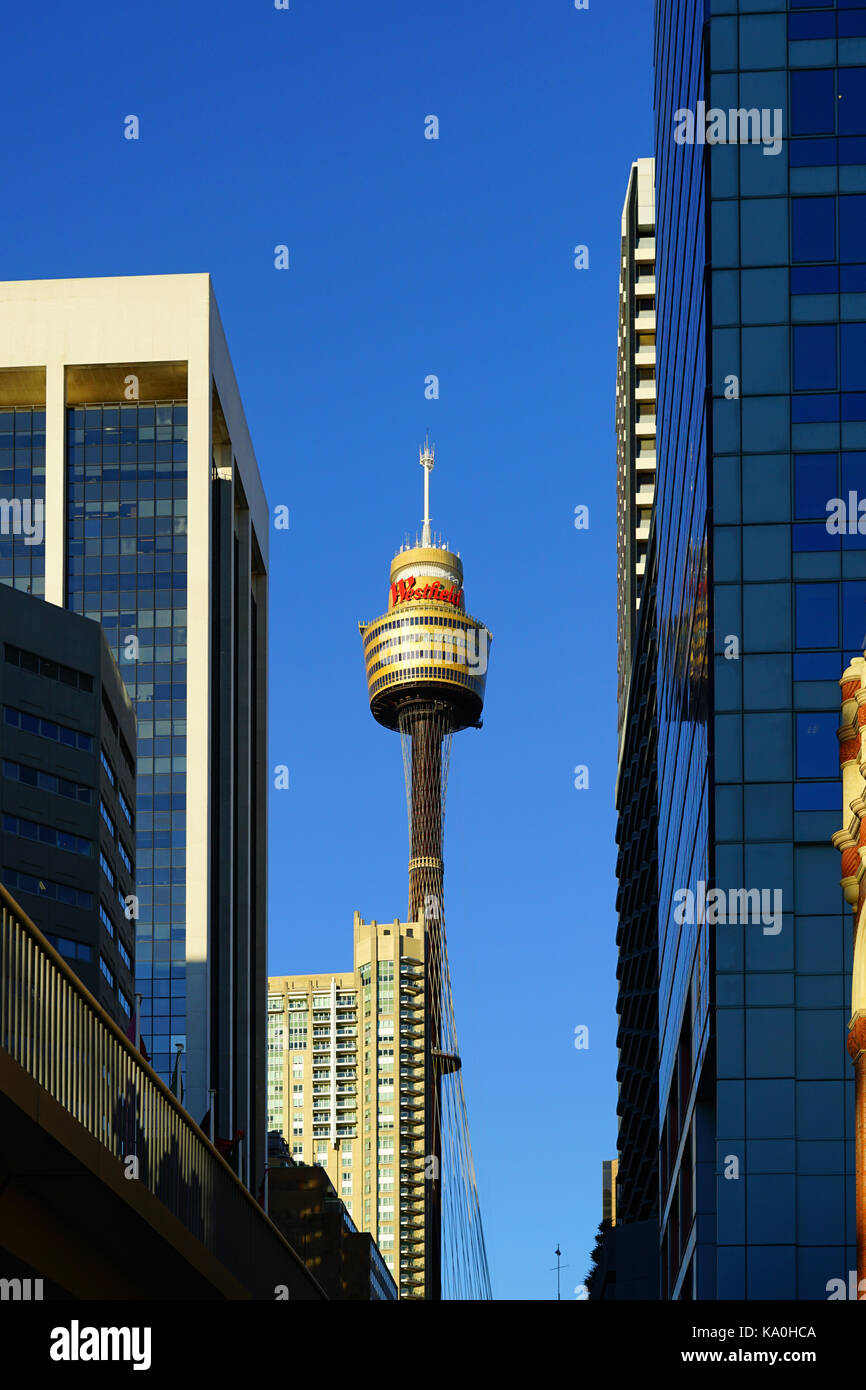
[[408, 257]]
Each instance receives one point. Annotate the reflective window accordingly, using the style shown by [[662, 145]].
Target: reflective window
[[814, 484], [818, 746], [815, 279], [47, 728], [22, 487], [815, 357], [72, 950], [817, 615], [854, 614], [852, 229], [853, 356], [813, 102], [852, 101], [811, 26], [47, 888], [47, 835], [813, 223]]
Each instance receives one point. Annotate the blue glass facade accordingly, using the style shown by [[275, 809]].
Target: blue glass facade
[[681, 535], [785, 326], [22, 481], [126, 565]]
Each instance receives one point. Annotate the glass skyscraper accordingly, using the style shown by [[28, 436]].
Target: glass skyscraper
[[119, 406], [761, 301]]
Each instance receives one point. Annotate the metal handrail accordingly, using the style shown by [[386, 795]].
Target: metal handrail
[[60, 1035]]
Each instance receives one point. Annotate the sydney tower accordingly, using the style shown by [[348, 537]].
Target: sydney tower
[[426, 665]]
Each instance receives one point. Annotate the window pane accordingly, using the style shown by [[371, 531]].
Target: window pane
[[817, 744], [813, 102], [817, 616], [852, 101], [853, 356], [814, 229], [814, 485], [852, 227], [815, 357]]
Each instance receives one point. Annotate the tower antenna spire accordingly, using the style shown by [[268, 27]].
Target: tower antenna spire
[[426, 459]]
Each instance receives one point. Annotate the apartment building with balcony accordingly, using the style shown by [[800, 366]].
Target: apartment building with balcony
[[635, 411], [345, 1085]]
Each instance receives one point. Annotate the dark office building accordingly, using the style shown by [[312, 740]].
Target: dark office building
[[637, 1192], [303, 1205], [625, 1259], [761, 298], [67, 792]]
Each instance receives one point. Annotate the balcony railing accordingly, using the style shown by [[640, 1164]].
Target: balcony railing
[[54, 1029]]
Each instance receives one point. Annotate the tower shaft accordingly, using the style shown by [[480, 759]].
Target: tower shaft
[[426, 726]]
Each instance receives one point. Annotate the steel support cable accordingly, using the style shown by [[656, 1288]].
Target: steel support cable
[[464, 1270], [466, 1215], [459, 1182], [461, 1203], [457, 1196], [463, 1166]]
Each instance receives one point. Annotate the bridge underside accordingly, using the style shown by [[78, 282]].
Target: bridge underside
[[68, 1214]]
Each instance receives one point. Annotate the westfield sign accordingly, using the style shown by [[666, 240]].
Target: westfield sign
[[406, 589]]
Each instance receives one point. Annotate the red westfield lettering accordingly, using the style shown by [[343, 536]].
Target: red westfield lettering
[[405, 589]]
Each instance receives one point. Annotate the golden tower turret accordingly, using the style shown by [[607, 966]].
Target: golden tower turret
[[426, 647]]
